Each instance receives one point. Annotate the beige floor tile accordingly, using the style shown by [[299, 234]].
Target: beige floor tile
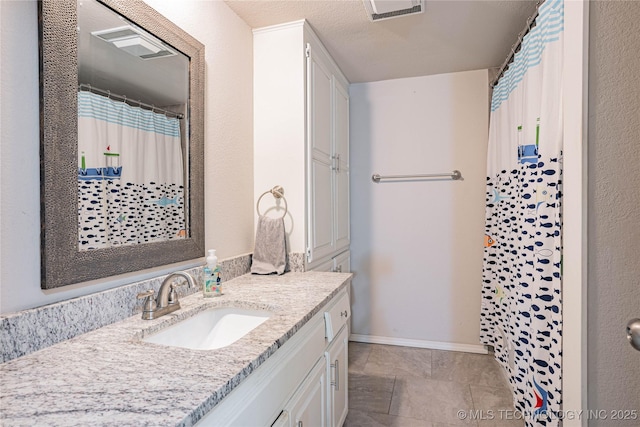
[[496, 406], [370, 393], [430, 387], [467, 368], [432, 400], [370, 419], [358, 356], [399, 361]]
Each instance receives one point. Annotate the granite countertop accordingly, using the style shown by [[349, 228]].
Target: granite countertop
[[110, 377]]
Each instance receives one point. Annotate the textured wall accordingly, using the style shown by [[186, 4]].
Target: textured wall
[[228, 146], [228, 119], [614, 201], [417, 246]]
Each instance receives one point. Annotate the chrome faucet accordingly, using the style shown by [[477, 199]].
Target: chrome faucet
[[167, 301]]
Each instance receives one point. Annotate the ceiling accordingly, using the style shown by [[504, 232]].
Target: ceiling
[[450, 36]]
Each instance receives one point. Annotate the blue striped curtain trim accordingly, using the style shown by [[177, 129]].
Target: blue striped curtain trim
[[91, 105], [549, 25]]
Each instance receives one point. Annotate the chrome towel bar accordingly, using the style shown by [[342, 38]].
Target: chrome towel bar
[[455, 175]]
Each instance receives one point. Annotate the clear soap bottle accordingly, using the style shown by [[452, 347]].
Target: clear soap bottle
[[212, 286]]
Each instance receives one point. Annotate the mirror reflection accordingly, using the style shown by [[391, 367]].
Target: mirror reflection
[[136, 103], [133, 92]]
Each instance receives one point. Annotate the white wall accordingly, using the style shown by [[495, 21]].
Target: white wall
[[279, 148], [417, 246], [228, 145]]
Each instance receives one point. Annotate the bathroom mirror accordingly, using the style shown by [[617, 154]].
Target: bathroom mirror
[[122, 140]]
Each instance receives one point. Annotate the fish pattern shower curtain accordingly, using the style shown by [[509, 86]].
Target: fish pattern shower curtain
[[130, 174], [521, 314]]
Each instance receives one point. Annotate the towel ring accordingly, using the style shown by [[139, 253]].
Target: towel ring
[[278, 193]]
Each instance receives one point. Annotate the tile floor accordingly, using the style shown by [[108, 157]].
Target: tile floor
[[394, 386]]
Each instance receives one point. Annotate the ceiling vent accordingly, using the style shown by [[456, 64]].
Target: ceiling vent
[[379, 10], [134, 42]]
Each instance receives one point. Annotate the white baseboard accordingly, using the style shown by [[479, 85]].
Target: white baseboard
[[405, 342]]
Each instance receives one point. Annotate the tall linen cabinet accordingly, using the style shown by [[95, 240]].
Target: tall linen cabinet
[[301, 140]]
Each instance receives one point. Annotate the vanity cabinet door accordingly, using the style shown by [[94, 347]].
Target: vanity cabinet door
[[328, 129], [308, 407], [321, 240], [337, 372]]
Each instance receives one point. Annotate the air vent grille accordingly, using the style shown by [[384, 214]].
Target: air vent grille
[[396, 13], [135, 42], [115, 33], [379, 10]]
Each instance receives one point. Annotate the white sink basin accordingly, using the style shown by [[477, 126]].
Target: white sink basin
[[210, 329]]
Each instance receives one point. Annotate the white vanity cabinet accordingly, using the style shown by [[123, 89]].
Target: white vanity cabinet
[[336, 319], [303, 384], [323, 398], [308, 407], [301, 137], [338, 376]]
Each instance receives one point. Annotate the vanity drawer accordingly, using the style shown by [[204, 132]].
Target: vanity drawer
[[336, 316]]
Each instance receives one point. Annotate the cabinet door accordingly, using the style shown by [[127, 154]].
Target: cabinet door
[[319, 84], [342, 263], [341, 120], [320, 238], [341, 164], [308, 407], [337, 372], [339, 264], [325, 266], [320, 233]]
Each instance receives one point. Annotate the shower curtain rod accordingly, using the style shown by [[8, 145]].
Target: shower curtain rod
[[124, 99], [530, 24]]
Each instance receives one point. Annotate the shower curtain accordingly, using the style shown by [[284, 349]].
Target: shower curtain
[[521, 313], [130, 174]]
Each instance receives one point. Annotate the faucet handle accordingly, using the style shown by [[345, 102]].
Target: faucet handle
[[173, 295], [145, 294], [149, 303]]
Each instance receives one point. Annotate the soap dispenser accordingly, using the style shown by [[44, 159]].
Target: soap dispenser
[[212, 286]]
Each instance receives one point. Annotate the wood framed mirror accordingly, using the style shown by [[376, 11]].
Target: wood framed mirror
[[76, 244]]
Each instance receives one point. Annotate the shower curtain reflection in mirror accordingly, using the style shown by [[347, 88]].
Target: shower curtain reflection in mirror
[[130, 174]]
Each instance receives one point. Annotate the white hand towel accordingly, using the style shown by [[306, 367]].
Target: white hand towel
[[270, 254]]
